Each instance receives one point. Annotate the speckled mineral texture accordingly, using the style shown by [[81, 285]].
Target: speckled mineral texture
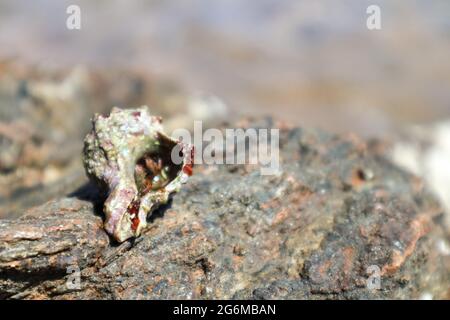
[[311, 232]]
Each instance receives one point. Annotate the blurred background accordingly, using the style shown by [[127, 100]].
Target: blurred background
[[309, 63], [314, 62]]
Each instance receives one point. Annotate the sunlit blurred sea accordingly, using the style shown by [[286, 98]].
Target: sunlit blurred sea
[[313, 63]]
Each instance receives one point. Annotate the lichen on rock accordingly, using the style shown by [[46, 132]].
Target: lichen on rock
[[128, 154]]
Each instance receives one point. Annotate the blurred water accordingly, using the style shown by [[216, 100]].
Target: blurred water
[[309, 62]]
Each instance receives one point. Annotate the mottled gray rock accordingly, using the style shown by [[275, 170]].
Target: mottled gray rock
[[337, 208]]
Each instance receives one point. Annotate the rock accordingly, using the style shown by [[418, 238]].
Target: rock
[[51, 238], [337, 215]]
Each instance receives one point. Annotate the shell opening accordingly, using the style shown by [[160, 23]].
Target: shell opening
[[155, 170]]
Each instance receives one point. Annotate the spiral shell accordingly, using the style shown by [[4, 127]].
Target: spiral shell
[[129, 156]]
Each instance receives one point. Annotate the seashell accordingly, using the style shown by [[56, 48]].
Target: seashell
[[128, 154]]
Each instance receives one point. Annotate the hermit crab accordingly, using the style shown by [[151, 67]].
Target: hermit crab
[[137, 165]]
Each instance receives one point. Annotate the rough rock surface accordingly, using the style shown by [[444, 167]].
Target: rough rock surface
[[337, 208]]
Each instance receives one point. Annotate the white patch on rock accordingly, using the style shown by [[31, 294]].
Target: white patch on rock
[[426, 153]]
